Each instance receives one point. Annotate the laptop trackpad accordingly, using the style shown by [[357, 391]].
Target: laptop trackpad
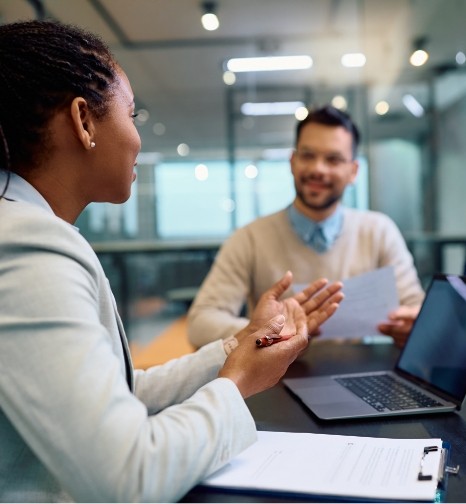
[[320, 390], [327, 399]]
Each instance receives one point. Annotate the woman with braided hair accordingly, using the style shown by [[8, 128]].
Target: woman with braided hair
[[76, 421]]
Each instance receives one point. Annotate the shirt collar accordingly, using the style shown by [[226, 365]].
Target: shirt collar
[[21, 190], [306, 227]]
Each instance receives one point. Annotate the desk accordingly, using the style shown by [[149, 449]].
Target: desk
[[277, 410]]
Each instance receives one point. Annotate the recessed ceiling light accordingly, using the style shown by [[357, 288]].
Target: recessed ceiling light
[[269, 63], [353, 60], [339, 102], [301, 113], [272, 108], [159, 129], [460, 58], [413, 105], [251, 171], [209, 19], [183, 149], [381, 107], [419, 57], [229, 78], [201, 172]]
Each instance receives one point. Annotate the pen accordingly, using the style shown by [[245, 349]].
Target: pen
[[267, 340], [270, 340]]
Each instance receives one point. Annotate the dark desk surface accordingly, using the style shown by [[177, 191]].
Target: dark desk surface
[[277, 410]]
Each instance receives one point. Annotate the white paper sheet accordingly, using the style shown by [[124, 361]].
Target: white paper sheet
[[368, 300], [332, 465]]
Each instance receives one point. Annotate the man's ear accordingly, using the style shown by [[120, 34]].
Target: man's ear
[[83, 122], [293, 162], [354, 171]]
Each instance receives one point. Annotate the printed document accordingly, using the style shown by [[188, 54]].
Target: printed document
[[369, 298], [332, 465]]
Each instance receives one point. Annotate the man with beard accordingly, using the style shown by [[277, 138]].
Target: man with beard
[[314, 237]]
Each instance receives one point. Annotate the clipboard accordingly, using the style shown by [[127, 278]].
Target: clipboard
[[333, 467], [445, 469]]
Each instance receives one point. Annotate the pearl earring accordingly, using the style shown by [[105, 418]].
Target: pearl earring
[[92, 145]]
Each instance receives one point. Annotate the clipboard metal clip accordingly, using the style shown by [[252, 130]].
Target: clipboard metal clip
[[421, 476], [443, 467]]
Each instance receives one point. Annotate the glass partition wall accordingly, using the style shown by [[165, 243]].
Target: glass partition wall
[[216, 141], [412, 168]]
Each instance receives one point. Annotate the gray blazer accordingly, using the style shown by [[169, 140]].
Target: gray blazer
[[75, 423]]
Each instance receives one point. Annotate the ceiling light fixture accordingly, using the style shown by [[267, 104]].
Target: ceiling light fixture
[[419, 56], [382, 107], [183, 149], [209, 19], [269, 63], [251, 171], [340, 102], [301, 113], [353, 60], [272, 108], [413, 105], [201, 172], [460, 58], [229, 78]]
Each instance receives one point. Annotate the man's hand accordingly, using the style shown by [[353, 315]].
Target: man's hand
[[400, 323], [318, 303], [304, 309]]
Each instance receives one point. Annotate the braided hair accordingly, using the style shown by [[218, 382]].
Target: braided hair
[[44, 65]]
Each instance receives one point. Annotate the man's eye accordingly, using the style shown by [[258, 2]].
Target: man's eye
[[306, 156], [335, 160], [134, 115]]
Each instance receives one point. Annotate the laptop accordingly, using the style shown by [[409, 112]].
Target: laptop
[[432, 365]]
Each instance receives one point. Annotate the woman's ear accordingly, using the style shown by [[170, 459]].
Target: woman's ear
[[83, 122]]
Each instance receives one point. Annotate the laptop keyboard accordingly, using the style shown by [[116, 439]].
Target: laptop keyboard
[[383, 391]]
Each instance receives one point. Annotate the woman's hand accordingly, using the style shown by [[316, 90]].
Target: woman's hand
[[254, 369]]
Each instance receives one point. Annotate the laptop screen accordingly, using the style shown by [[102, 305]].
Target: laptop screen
[[436, 349]]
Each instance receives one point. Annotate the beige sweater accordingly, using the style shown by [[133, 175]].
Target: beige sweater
[[259, 254]]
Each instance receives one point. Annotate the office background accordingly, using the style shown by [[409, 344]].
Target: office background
[[209, 164]]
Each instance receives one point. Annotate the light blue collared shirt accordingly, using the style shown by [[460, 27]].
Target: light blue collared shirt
[[320, 236]]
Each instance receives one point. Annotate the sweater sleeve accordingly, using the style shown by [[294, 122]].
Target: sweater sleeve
[[215, 311], [395, 252]]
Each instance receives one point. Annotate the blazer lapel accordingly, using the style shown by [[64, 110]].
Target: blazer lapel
[[126, 352]]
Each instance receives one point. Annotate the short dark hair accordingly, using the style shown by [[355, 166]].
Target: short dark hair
[[331, 116], [44, 65]]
